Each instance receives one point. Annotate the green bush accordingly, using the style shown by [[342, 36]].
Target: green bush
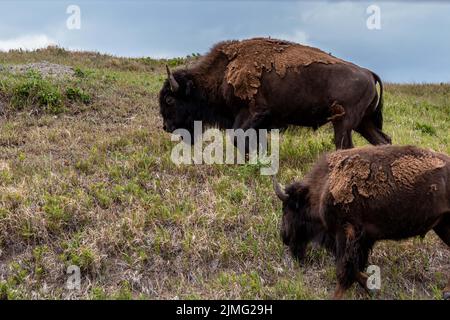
[[149, 61], [34, 90], [78, 95], [83, 73], [79, 73], [174, 62], [57, 216], [425, 128]]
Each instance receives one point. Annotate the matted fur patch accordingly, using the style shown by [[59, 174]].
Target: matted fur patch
[[249, 58], [407, 169], [353, 172], [375, 174]]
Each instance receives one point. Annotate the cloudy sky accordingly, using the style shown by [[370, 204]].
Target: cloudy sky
[[413, 44]]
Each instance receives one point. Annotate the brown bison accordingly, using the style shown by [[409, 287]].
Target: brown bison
[[353, 198], [266, 83]]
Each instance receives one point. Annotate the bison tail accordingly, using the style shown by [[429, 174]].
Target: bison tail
[[377, 115]]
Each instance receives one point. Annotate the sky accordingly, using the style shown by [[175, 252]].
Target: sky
[[412, 43]]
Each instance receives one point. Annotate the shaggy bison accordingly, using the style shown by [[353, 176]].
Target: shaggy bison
[[353, 198], [266, 83]]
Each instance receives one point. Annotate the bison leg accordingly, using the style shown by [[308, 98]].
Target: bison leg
[[362, 278], [372, 133], [443, 231], [246, 121], [342, 127], [242, 116], [342, 135], [351, 254], [256, 121]]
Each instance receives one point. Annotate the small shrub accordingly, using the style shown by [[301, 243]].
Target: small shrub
[[78, 254], [98, 293], [124, 292], [80, 73], [102, 196], [50, 98], [77, 95], [150, 61], [237, 195], [34, 90], [174, 62], [83, 257], [425, 128], [4, 290], [57, 216], [19, 273], [38, 256]]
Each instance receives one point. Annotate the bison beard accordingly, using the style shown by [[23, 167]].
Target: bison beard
[[340, 205], [266, 83]]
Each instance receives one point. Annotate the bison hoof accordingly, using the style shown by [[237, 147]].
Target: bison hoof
[[446, 295]]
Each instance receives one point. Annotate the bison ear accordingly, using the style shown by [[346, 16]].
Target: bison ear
[[190, 87], [301, 189], [300, 195]]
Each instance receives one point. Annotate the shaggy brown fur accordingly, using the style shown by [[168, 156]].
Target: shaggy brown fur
[[266, 83], [375, 177], [248, 59], [353, 198], [408, 169]]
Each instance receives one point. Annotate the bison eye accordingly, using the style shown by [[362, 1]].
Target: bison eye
[[170, 101]]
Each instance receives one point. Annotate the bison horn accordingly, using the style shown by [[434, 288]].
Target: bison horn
[[173, 83], [279, 190]]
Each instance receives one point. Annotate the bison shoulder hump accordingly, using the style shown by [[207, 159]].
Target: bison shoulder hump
[[249, 58], [372, 174]]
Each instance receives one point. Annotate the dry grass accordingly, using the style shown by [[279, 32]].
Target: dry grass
[[93, 185]]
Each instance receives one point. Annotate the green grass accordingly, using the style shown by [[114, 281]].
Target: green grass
[[32, 93], [86, 179], [32, 89]]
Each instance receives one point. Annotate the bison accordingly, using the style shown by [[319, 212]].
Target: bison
[[353, 198], [265, 83]]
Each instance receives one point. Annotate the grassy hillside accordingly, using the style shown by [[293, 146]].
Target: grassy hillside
[[86, 179]]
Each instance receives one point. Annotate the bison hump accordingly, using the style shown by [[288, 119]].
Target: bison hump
[[249, 58], [408, 169], [371, 172]]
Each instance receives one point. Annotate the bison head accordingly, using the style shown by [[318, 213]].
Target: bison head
[[177, 102], [299, 226]]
